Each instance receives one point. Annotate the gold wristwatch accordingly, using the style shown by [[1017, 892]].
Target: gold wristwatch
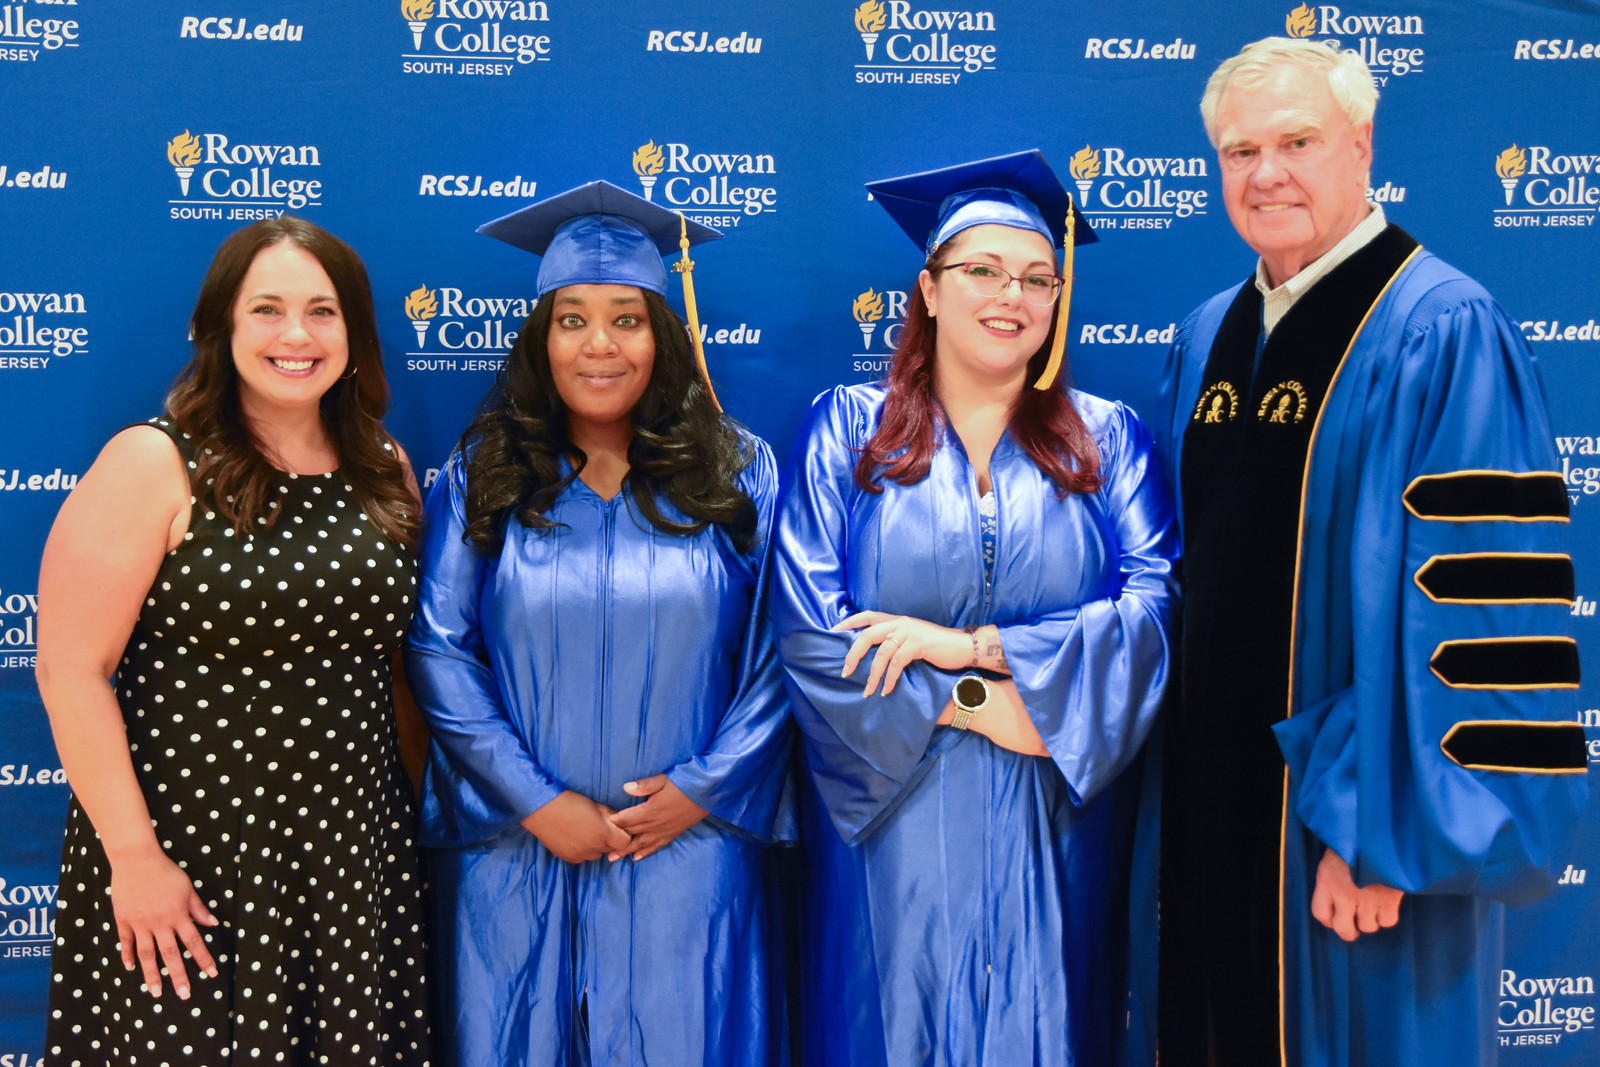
[[970, 695]]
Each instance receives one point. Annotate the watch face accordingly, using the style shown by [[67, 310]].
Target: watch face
[[971, 692]]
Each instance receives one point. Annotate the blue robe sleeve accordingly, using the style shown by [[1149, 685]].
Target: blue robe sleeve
[[863, 754], [1092, 677], [1371, 766], [482, 780], [740, 778]]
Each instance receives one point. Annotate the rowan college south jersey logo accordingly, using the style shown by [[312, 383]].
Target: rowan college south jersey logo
[[1367, 35], [1542, 1010], [1118, 190], [908, 45], [1547, 188], [468, 332], [716, 189], [218, 178], [474, 37]]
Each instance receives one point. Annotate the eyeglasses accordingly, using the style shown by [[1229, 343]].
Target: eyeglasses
[[986, 279]]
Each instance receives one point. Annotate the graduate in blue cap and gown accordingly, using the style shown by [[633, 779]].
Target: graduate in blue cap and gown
[[974, 598], [592, 651]]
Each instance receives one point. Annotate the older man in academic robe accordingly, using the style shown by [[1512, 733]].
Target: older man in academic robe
[[1373, 749]]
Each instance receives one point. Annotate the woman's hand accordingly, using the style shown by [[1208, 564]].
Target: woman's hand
[[156, 909], [665, 813], [576, 828], [901, 639]]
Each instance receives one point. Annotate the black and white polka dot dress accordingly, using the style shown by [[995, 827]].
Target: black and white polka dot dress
[[255, 689]]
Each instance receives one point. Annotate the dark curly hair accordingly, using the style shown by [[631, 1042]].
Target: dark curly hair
[[683, 448], [231, 470]]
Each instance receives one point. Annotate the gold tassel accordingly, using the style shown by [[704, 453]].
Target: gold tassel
[[685, 267], [1059, 345]]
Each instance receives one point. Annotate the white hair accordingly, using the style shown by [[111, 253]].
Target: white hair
[[1349, 79]]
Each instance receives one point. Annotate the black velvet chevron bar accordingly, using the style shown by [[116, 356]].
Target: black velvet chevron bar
[[1508, 663], [1481, 496], [1518, 746], [1498, 578]]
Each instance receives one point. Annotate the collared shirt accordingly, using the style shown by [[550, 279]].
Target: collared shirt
[[1276, 303]]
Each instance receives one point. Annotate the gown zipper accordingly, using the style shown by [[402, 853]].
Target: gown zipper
[[608, 511], [985, 585], [608, 515]]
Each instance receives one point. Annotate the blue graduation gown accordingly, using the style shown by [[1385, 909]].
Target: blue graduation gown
[[1438, 382], [965, 902], [597, 653]]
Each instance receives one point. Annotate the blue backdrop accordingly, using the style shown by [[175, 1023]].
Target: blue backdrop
[[135, 136]]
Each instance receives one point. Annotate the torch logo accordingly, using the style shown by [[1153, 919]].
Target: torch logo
[[1301, 22], [416, 13], [1085, 168], [648, 162], [421, 305], [183, 152], [1511, 165], [870, 21], [868, 309]]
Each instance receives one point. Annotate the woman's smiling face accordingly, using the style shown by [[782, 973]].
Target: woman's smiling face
[[602, 351], [992, 336], [289, 342]]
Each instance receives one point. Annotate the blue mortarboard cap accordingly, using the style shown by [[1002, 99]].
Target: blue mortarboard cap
[[597, 234], [1017, 190]]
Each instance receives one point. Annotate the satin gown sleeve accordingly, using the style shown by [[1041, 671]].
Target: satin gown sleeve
[[1093, 676], [864, 753], [488, 780], [1369, 768], [740, 777]]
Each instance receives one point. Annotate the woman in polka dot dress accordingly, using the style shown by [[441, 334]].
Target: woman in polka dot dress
[[242, 569]]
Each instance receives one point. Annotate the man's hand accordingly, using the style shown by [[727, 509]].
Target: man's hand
[[576, 828], [653, 825], [1346, 909]]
